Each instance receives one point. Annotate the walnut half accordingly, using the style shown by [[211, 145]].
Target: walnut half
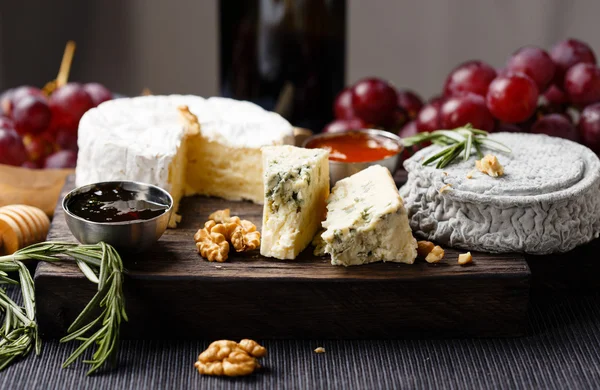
[[220, 230], [211, 245], [220, 216], [240, 232], [226, 357]]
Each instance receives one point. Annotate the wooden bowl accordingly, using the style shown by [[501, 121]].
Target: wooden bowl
[[34, 187]]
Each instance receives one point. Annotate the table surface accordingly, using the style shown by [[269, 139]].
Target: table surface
[[561, 351]]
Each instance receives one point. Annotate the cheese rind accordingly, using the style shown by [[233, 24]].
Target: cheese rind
[[367, 222], [547, 200], [296, 186]]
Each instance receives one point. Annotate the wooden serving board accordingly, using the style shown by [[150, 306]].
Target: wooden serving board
[[171, 292]]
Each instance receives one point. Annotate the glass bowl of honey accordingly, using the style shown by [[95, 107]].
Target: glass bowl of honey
[[128, 215]]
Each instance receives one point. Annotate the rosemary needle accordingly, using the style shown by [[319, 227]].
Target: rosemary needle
[[102, 265], [455, 142]]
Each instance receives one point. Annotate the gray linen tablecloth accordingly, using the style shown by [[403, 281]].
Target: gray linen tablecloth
[[562, 351]]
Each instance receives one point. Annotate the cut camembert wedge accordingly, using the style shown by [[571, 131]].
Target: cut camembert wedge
[[296, 186], [151, 140], [367, 222]]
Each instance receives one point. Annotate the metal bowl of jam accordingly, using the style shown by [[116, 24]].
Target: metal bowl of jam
[[352, 151], [128, 215]]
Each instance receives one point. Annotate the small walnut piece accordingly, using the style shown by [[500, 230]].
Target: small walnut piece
[[470, 174], [212, 246], [226, 357], [490, 166], [253, 348], [320, 350], [424, 247], [436, 255], [220, 216], [245, 237], [445, 188], [465, 258]]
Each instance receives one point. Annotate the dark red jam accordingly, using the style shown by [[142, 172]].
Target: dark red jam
[[113, 205]]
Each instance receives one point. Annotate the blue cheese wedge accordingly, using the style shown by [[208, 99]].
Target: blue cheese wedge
[[545, 201], [366, 221], [296, 184]]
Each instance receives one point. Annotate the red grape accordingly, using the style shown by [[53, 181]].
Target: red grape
[[340, 125], [374, 101], [69, 103], [555, 96], [12, 150], [342, 106], [31, 115], [437, 100], [567, 53], [31, 165], [98, 92], [512, 98], [589, 127], [408, 130], [502, 72], [582, 84], [471, 76], [6, 123], [507, 128], [6, 102], [461, 110], [409, 102], [553, 101], [399, 119], [535, 63], [24, 91], [38, 147], [429, 117], [61, 159], [555, 125], [66, 140]]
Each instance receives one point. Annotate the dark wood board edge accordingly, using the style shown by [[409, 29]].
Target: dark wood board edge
[[63, 292], [486, 308]]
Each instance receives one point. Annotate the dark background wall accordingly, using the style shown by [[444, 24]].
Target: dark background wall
[[172, 46], [167, 46]]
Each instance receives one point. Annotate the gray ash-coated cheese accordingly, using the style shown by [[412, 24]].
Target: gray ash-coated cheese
[[547, 201]]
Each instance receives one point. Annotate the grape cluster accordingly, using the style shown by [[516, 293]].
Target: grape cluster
[[373, 102], [39, 131], [555, 93]]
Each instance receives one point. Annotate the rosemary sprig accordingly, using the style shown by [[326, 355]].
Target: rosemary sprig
[[102, 265], [454, 143]]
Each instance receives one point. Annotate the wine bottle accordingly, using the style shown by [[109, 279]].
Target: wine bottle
[[285, 55]]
